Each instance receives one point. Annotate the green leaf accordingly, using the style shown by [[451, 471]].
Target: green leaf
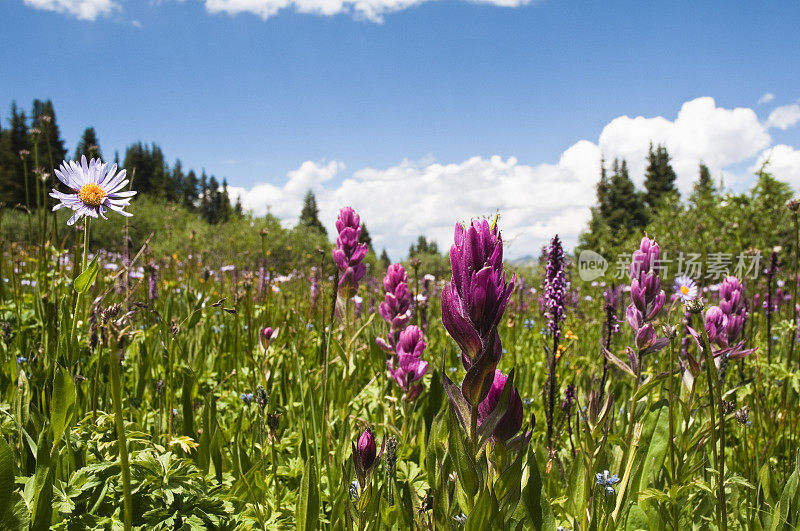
[[307, 511], [87, 277], [42, 506], [465, 463], [6, 476], [780, 514], [62, 404], [485, 514], [637, 519], [540, 514], [508, 485]]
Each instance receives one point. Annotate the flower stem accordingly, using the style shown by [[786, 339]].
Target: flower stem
[[121, 439], [719, 457]]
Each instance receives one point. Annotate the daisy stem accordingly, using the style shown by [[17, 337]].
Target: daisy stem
[[73, 347]]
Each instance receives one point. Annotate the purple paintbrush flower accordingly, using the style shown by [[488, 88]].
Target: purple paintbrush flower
[[474, 301], [395, 306], [409, 368], [555, 285], [349, 253]]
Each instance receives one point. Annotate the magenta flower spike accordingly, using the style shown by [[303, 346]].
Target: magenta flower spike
[[724, 323], [474, 301], [647, 297], [395, 305], [409, 368], [349, 253], [511, 421]]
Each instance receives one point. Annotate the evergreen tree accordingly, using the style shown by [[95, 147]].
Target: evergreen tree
[[49, 142], [385, 262], [88, 145], [659, 177], [152, 174], [423, 246], [704, 188], [309, 216], [364, 237], [17, 184], [626, 205], [191, 190]]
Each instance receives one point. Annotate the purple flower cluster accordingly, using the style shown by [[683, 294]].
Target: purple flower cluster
[[555, 286], [646, 295], [473, 303], [349, 253], [724, 323], [404, 344], [395, 305], [409, 368]]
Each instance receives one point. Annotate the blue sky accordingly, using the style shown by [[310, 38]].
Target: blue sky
[[435, 84]]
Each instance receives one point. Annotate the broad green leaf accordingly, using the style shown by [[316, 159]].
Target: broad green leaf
[[6, 476], [42, 507], [87, 277], [62, 404], [508, 486], [485, 514], [307, 511], [540, 514], [637, 519], [465, 463]]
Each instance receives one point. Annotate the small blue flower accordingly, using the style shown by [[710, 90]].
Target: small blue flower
[[310, 326], [247, 398], [527, 401], [21, 360], [605, 478], [354, 489], [529, 324], [461, 518]]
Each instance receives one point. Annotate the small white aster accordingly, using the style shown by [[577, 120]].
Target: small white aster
[[96, 189], [686, 288]]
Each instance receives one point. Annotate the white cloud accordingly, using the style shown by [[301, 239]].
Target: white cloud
[[401, 202], [784, 163], [766, 98], [80, 9], [372, 10], [784, 117], [701, 132]]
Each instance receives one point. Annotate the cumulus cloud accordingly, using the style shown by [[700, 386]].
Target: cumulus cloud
[[372, 10], [784, 163], [535, 201], [80, 9], [766, 98], [701, 132], [784, 117]]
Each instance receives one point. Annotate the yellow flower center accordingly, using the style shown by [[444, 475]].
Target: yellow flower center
[[91, 194], [685, 290]]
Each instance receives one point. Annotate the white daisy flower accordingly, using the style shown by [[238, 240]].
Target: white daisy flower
[[96, 190], [686, 288]]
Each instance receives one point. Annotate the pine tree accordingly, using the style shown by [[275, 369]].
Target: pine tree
[[190, 191], [49, 142], [423, 246], [309, 216], [704, 189], [88, 145], [626, 205], [364, 237], [659, 177], [385, 261], [17, 184]]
